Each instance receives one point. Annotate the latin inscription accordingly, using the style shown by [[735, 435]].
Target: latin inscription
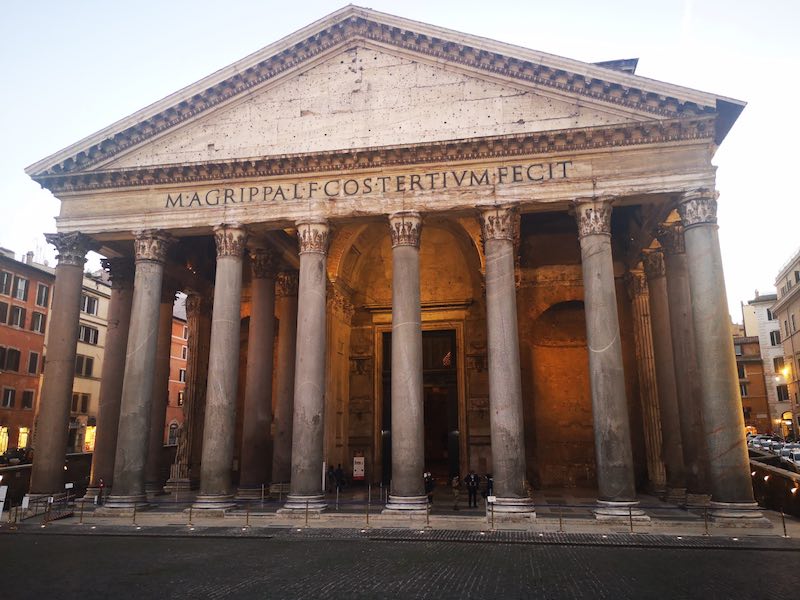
[[373, 185]]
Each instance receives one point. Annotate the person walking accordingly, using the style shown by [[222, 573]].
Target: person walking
[[473, 482], [455, 485], [429, 485]]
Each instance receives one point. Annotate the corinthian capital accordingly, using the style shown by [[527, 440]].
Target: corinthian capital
[[286, 284], [312, 236], [405, 227], [499, 223], [593, 217], [636, 284], [120, 271], [196, 305], [72, 247], [263, 262], [152, 246], [654, 264], [670, 236], [230, 240], [698, 207]]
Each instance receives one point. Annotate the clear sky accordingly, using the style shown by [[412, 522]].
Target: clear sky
[[72, 68]]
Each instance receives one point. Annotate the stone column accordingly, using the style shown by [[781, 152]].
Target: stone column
[[47, 473], [186, 469], [286, 309], [695, 450], [120, 272], [499, 227], [223, 370], [154, 467], [258, 384], [408, 426], [137, 386], [672, 450], [612, 440], [646, 367], [729, 467], [305, 487]]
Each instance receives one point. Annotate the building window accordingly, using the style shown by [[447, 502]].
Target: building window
[[17, 317], [777, 364], [791, 319], [5, 283], [42, 294], [180, 398], [737, 348], [184, 352], [22, 440], [182, 375], [743, 389], [89, 304], [747, 411], [8, 398], [3, 313], [742, 373], [9, 359], [84, 365], [87, 334], [37, 322], [20, 289], [775, 338], [172, 439], [3, 439], [770, 315], [88, 440], [80, 401], [786, 327], [185, 332], [797, 276], [783, 392], [27, 400], [33, 363]]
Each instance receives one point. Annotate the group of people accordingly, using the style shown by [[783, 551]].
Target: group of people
[[336, 478], [471, 481]]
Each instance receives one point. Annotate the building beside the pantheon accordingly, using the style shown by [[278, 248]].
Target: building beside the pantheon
[[478, 256], [787, 312]]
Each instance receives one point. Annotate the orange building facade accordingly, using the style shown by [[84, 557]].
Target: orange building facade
[[752, 387]]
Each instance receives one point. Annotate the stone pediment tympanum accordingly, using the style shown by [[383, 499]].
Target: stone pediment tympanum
[[360, 79]]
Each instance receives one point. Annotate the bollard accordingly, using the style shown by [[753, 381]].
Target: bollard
[[367, 509], [247, 515], [783, 520], [134, 513], [337, 498], [190, 516], [705, 520], [80, 518], [560, 520], [369, 493], [280, 492], [428, 515], [492, 513], [630, 517], [306, 513], [262, 493]]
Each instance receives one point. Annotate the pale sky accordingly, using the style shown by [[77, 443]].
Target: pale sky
[[72, 68]]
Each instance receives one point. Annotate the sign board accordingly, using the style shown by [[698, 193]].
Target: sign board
[[3, 492], [358, 468], [69, 486], [491, 499]]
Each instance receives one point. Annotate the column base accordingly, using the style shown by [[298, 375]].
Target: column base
[[152, 489], [219, 502], [91, 494], [738, 514], [252, 492], [620, 511], [697, 500], [404, 505], [296, 503], [675, 496], [177, 485], [120, 502], [514, 506]]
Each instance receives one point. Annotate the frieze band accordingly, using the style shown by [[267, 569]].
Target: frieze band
[[405, 228]]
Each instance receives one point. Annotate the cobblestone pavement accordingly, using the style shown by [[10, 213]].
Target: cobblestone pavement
[[67, 566]]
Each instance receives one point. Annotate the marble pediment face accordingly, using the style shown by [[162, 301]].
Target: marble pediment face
[[363, 97]]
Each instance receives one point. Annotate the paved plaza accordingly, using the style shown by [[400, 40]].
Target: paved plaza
[[69, 566]]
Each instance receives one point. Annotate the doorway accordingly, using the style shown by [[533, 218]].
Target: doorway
[[440, 401]]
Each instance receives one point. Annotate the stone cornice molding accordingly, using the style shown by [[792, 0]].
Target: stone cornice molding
[[72, 247], [636, 284], [653, 261], [499, 223], [313, 236], [286, 284], [262, 261], [585, 81], [230, 240], [481, 148], [152, 246], [593, 216], [405, 228], [698, 207], [670, 236], [120, 271]]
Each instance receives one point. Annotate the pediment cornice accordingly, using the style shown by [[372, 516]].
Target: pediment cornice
[[484, 148], [352, 24]]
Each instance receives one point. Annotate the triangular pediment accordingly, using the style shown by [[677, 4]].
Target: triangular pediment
[[363, 79]]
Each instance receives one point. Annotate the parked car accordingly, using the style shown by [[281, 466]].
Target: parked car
[[794, 457], [786, 451], [17, 456]]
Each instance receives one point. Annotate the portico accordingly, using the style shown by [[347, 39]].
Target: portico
[[498, 195]]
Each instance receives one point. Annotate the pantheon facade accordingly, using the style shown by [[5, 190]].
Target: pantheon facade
[[417, 248]]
